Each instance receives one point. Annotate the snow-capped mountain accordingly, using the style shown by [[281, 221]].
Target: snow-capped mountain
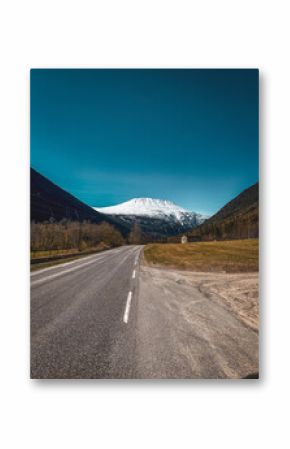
[[151, 207], [155, 216]]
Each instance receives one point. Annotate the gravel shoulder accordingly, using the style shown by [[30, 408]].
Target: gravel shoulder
[[197, 325]]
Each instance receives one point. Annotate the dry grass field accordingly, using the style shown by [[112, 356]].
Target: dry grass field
[[231, 256]]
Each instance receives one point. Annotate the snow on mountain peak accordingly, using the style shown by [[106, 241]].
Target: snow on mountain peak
[[150, 207], [143, 206]]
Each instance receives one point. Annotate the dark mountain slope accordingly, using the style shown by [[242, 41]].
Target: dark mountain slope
[[238, 219], [153, 228], [242, 202], [48, 201]]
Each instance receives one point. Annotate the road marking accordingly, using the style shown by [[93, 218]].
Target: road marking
[[97, 257], [134, 274], [38, 281], [127, 310]]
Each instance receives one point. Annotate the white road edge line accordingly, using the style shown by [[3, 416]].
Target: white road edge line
[[127, 310], [134, 274], [96, 256], [60, 273]]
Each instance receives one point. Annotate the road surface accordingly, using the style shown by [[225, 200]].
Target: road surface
[[107, 316]]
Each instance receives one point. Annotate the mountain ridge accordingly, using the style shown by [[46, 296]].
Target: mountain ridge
[[237, 219], [155, 216], [49, 202]]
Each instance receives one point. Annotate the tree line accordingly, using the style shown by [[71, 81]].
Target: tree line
[[73, 235], [67, 234]]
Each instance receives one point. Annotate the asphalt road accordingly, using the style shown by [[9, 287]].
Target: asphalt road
[[78, 317], [107, 316]]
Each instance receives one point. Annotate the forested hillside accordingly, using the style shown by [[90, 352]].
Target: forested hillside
[[238, 219]]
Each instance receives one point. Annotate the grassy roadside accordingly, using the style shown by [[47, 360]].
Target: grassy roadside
[[231, 256], [66, 252]]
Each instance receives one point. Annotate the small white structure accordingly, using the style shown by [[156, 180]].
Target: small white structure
[[184, 239]]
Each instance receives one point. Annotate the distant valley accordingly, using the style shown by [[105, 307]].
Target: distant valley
[[157, 219]]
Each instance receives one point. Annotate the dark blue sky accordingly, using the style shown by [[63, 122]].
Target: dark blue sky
[[106, 136]]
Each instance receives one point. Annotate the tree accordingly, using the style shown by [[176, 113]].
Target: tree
[[110, 235], [135, 235]]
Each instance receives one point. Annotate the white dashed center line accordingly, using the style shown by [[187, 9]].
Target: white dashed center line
[[127, 310], [134, 274]]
